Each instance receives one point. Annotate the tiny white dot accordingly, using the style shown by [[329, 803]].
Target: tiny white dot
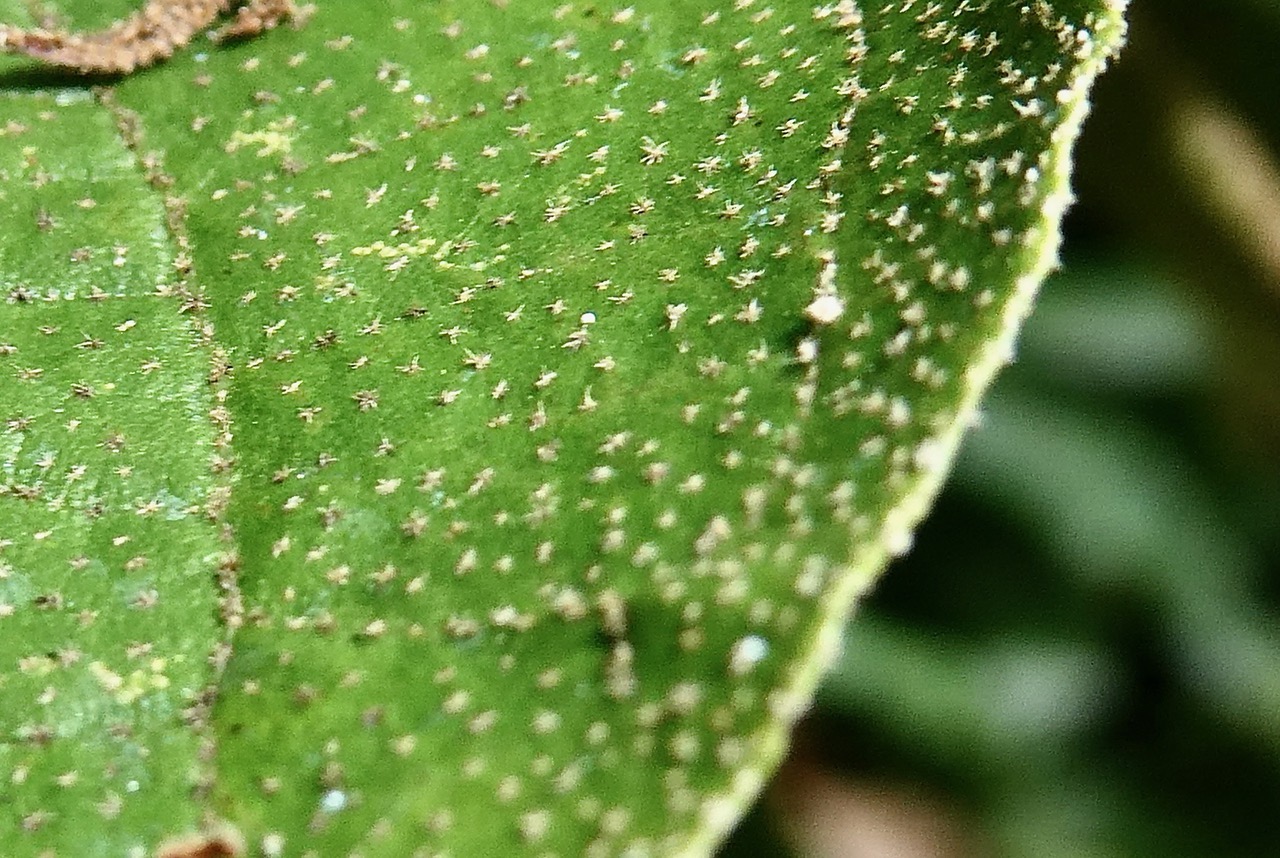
[[825, 309], [333, 801]]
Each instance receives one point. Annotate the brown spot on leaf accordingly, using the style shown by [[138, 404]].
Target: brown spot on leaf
[[225, 842]]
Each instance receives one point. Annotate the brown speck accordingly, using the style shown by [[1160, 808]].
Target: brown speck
[[223, 843]]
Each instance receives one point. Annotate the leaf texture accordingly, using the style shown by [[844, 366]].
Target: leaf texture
[[540, 385]]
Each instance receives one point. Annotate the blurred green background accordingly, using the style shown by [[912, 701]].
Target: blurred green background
[[1081, 656]]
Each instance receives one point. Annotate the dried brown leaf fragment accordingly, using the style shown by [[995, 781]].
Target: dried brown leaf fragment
[[150, 35]]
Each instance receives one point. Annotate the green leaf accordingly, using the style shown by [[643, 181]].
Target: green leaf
[[107, 559], [536, 389]]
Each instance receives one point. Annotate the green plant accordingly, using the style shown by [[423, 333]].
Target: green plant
[[437, 428]]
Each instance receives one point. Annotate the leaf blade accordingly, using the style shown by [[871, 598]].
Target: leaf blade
[[107, 616], [546, 374]]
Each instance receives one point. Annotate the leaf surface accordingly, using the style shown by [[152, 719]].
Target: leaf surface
[[108, 609], [569, 369]]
